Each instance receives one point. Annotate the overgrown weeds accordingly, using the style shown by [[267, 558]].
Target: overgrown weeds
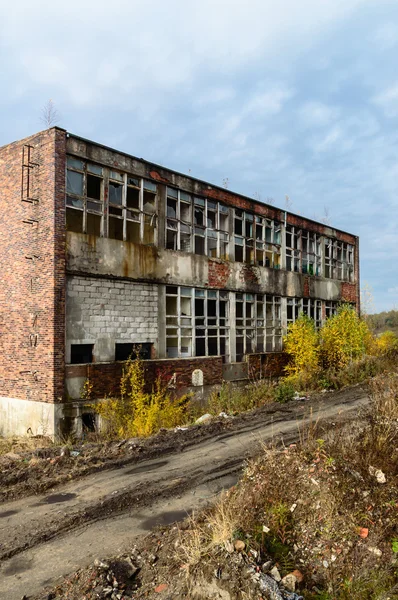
[[319, 506], [233, 399], [138, 412]]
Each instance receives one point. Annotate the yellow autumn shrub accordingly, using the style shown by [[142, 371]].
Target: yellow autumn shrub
[[386, 342], [137, 412], [302, 345], [344, 338]]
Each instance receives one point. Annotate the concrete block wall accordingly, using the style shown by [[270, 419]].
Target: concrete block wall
[[106, 311]]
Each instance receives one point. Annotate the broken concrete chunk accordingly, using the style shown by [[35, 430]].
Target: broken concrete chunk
[[378, 473], [289, 582], [204, 419], [275, 574]]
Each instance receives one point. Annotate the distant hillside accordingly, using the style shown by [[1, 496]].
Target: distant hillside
[[384, 321]]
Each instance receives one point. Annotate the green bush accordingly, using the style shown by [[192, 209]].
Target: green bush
[[284, 392]]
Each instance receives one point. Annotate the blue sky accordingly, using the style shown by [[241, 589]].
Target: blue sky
[[280, 97]]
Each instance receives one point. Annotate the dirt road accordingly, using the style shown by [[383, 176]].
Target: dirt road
[[43, 538]]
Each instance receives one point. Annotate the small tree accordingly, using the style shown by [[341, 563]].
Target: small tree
[[49, 114], [302, 345], [138, 412], [344, 338]]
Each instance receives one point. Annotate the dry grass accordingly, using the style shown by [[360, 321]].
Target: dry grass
[[314, 500], [24, 444]]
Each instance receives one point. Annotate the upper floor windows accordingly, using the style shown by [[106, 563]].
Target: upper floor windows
[[257, 240], [84, 197], [303, 251], [197, 225], [105, 202], [339, 260], [116, 205], [132, 208]]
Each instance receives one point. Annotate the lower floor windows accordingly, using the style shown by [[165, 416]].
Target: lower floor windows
[[197, 322], [308, 306], [81, 353], [258, 324], [331, 308]]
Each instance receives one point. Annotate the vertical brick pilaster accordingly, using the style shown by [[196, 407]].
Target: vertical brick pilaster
[[32, 267]]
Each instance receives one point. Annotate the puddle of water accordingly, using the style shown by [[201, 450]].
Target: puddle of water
[[165, 518], [8, 513], [147, 468], [18, 565]]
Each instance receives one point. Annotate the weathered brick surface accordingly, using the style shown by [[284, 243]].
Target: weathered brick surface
[[32, 269], [218, 274], [306, 287], [348, 292], [271, 364], [177, 373]]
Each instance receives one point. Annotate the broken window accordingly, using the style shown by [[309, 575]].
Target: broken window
[[196, 225], [303, 251], [126, 350], [339, 260], [84, 197], [132, 209], [258, 324], [81, 353], [197, 322], [257, 240]]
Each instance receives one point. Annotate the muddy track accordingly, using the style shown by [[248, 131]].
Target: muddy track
[[22, 480], [45, 537]]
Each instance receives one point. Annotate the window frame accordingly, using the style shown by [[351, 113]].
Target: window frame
[[339, 260], [186, 326], [250, 328], [71, 196], [300, 251], [126, 213], [197, 231], [253, 247]]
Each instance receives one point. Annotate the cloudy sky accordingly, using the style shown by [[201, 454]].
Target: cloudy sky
[[281, 97]]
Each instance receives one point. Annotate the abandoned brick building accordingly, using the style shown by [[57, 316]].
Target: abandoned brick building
[[101, 252]]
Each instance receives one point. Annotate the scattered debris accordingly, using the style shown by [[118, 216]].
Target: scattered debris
[[380, 477], [240, 545], [204, 419]]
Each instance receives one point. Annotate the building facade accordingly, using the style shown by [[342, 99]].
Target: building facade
[[102, 253]]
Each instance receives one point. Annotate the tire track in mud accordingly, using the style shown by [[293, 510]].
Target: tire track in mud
[[201, 469]]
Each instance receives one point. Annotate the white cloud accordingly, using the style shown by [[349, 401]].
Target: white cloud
[[125, 52], [317, 114], [388, 100]]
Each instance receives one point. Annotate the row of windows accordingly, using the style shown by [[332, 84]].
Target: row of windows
[[131, 205], [198, 323], [127, 210]]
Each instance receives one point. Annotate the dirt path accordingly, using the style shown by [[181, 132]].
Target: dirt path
[[43, 538]]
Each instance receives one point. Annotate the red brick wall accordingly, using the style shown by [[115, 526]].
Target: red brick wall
[[348, 292], [271, 364], [32, 270], [218, 274], [105, 377]]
